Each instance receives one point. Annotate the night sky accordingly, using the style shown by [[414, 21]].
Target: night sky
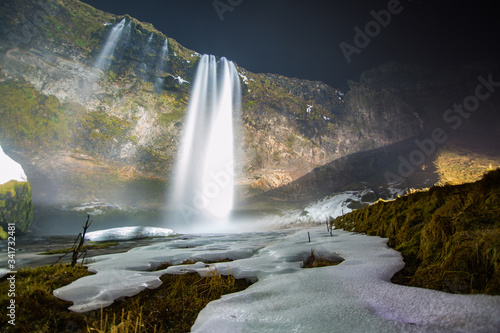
[[300, 38]]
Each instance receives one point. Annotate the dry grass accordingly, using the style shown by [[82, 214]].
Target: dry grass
[[449, 236], [126, 324], [172, 307], [314, 260], [465, 160], [37, 310]]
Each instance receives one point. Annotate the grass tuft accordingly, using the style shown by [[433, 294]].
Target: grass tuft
[[314, 260]]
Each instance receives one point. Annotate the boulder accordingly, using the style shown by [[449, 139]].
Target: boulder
[[15, 196]]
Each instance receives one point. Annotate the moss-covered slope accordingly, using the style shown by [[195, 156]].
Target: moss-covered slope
[[449, 236]]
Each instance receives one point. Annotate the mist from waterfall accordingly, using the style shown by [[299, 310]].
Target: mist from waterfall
[[103, 60], [202, 187]]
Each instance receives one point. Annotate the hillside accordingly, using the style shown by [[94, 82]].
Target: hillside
[[448, 235]]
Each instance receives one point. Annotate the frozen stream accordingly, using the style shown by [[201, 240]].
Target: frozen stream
[[355, 296]]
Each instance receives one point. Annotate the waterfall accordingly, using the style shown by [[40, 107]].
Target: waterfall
[[202, 184], [161, 66], [103, 60], [147, 52]]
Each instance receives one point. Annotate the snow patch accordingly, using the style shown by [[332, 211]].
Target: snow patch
[[354, 296], [395, 189], [180, 79], [317, 212], [10, 169], [243, 77], [127, 233], [92, 208]]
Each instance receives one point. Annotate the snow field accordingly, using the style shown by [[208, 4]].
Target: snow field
[[354, 296]]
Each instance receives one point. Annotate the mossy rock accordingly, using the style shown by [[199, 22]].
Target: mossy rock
[[15, 206]]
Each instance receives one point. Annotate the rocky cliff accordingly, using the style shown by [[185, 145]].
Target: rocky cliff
[[88, 131]]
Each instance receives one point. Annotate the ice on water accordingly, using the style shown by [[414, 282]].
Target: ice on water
[[10, 169], [354, 296], [127, 233]]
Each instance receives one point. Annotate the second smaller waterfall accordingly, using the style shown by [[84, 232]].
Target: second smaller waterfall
[[103, 60], [161, 66]]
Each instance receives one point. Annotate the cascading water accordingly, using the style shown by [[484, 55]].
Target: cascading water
[[161, 66], [147, 52], [103, 60], [202, 187], [163, 57]]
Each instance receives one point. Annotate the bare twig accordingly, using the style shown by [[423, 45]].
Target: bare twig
[[81, 237]]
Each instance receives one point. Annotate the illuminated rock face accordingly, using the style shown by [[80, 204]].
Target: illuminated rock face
[[15, 196]]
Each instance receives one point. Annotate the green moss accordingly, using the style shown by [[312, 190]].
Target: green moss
[[174, 116], [16, 205], [449, 236], [30, 119], [104, 127], [83, 25], [3, 233]]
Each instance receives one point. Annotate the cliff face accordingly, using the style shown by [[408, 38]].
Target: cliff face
[[82, 128]]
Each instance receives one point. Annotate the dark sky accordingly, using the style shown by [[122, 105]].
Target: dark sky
[[300, 38]]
